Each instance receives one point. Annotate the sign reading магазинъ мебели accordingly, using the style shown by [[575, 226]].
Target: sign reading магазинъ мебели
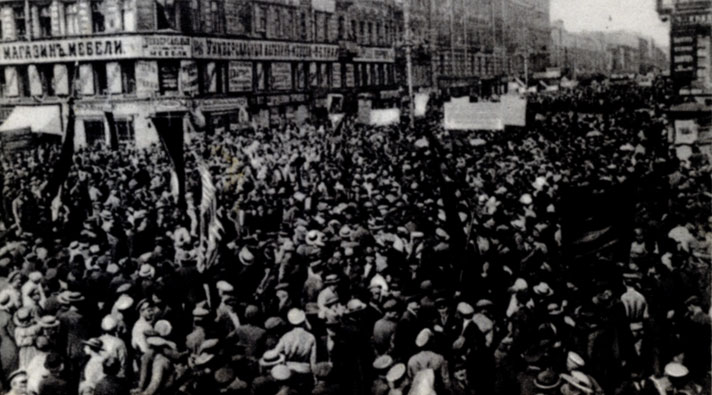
[[70, 50]]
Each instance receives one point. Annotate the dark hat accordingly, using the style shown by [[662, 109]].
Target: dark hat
[[53, 361], [94, 343]]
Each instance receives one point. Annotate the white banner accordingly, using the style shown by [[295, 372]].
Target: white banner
[[146, 78], [514, 110], [421, 104], [384, 117], [240, 76], [686, 131], [461, 115]]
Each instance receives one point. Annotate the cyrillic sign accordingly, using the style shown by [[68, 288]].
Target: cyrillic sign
[[218, 48]]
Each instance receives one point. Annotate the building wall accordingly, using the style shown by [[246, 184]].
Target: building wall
[[242, 60]]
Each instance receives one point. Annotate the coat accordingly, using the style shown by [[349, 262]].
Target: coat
[[8, 349]]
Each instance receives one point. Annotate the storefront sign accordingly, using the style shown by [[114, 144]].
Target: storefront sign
[[212, 105], [281, 76], [240, 76], [214, 48], [166, 47], [70, 50], [370, 54]]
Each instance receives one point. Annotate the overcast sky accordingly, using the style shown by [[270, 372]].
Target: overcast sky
[[634, 15]]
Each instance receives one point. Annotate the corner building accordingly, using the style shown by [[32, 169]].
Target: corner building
[[242, 61]]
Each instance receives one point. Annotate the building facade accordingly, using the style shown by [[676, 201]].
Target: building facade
[[690, 45], [241, 61], [578, 54]]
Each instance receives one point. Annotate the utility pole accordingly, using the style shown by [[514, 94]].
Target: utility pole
[[409, 61]]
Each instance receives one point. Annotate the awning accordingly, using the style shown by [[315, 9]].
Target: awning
[[39, 119]]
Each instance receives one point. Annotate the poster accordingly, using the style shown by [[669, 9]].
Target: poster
[[86, 79], [350, 77], [260, 76], [281, 76], [35, 80], [336, 75], [313, 78], [300, 76], [113, 77], [189, 77], [169, 77], [61, 80], [324, 75], [240, 76], [146, 78]]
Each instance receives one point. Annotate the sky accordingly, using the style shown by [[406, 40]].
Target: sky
[[634, 15]]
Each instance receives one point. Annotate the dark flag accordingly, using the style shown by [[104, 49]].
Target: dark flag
[[65, 158], [170, 130], [596, 224], [113, 134]]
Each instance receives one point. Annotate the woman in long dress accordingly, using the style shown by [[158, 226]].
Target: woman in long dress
[[26, 330]]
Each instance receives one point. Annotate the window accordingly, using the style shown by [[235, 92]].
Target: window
[[23, 81], [379, 33], [354, 34], [101, 85], [125, 130], [303, 25], [168, 76], [369, 37], [218, 21], [94, 132], [362, 31], [46, 73], [97, 17], [261, 19], [20, 27], [278, 28], [71, 18], [289, 24], [128, 77], [341, 28], [2, 82], [45, 21]]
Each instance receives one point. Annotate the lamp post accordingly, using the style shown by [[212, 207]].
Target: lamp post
[[408, 60]]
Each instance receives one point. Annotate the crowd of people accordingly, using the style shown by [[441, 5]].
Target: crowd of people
[[363, 260]]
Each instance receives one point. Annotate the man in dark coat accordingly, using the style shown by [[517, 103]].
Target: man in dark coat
[[111, 384], [56, 382]]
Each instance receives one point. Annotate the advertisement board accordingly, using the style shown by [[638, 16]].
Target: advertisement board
[[166, 47], [350, 77], [82, 49], [472, 116], [146, 77], [281, 76], [189, 77], [239, 76], [686, 131]]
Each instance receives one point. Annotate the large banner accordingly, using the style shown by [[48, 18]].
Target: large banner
[[462, 115], [384, 117]]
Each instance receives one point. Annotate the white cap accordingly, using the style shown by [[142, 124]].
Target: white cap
[[296, 316]]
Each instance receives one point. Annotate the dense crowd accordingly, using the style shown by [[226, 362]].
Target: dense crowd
[[363, 260]]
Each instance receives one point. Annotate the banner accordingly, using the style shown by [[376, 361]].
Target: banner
[[686, 131], [239, 76], [384, 117], [514, 110], [473, 116], [281, 76], [421, 104]]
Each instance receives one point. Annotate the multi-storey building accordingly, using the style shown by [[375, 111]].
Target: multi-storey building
[[690, 45], [242, 61], [578, 54], [527, 37]]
